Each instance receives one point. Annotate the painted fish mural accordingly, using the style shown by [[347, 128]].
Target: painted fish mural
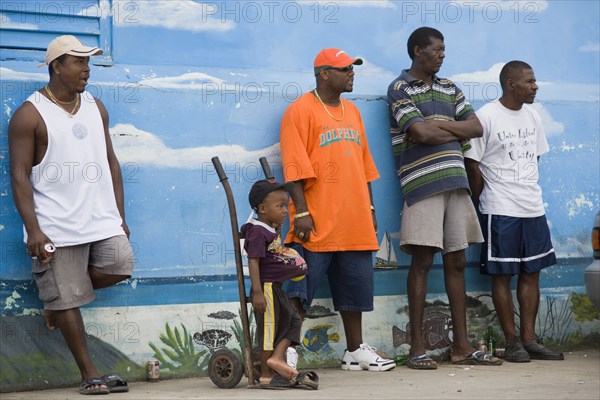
[[222, 315], [214, 339], [317, 338], [437, 332], [317, 311]]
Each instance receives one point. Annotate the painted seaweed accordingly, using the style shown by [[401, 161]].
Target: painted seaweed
[[179, 356]]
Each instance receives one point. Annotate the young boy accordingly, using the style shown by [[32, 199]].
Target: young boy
[[270, 264]]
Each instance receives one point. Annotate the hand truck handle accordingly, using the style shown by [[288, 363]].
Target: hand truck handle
[[266, 168], [219, 168]]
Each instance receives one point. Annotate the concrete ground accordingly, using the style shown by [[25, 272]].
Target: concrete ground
[[575, 378]]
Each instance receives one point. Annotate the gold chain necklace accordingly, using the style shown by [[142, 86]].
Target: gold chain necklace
[[60, 103], [325, 107], [55, 99]]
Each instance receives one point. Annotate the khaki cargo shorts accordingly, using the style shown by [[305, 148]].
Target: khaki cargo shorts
[[65, 283], [446, 221]]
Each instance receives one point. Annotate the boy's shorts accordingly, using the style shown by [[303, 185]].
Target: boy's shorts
[[446, 221], [350, 275], [279, 321], [515, 245], [65, 283]]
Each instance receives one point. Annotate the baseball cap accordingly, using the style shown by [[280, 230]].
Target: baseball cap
[[335, 58], [68, 44], [262, 188]]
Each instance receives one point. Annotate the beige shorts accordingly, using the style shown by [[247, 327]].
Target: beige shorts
[[65, 282], [446, 221]]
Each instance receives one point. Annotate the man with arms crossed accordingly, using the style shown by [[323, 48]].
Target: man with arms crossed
[[429, 118], [503, 172]]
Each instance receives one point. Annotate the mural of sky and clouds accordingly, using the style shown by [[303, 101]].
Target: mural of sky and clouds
[[555, 36]]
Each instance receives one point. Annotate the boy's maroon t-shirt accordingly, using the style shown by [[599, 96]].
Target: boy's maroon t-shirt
[[277, 263]]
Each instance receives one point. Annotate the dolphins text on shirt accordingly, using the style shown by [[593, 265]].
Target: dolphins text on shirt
[[335, 135]]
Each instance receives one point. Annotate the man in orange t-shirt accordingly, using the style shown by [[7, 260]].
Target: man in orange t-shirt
[[326, 154]]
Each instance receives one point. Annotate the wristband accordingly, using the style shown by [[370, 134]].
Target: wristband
[[302, 214]]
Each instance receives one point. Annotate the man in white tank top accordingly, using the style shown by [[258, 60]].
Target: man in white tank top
[[68, 189]]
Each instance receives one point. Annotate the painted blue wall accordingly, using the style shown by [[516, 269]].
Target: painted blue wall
[[193, 80]]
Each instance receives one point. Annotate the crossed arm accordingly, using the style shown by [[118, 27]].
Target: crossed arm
[[433, 132]]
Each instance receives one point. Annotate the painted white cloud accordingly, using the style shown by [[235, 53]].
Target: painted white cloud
[[551, 126], [181, 14], [8, 24], [197, 81], [589, 47], [11, 74], [137, 146], [371, 79], [491, 75], [370, 69], [521, 6]]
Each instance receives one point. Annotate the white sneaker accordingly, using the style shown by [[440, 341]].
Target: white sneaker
[[365, 357], [291, 357]]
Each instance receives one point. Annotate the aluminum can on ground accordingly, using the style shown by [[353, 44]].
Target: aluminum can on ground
[[153, 371]]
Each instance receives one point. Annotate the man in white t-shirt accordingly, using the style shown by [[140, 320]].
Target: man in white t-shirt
[[503, 175]]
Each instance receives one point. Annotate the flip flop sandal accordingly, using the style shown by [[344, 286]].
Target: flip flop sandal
[[115, 383], [308, 380], [479, 358], [421, 362], [278, 382], [87, 386]]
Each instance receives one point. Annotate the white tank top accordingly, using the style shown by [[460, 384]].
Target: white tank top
[[72, 185]]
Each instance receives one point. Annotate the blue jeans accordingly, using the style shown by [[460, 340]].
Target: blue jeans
[[350, 275]]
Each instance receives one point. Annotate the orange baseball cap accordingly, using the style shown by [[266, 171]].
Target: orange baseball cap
[[336, 58], [68, 44]]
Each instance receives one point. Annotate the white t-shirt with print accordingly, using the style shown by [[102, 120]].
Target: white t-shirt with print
[[508, 155]]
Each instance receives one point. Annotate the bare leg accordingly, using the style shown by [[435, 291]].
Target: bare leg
[[454, 279], [297, 303], [50, 319], [100, 280], [420, 265], [528, 294], [352, 328], [418, 273], [503, 303], [71, 326], [266, 373], [277, 361]]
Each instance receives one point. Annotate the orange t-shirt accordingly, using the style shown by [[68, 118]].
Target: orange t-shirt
[[333, 159]]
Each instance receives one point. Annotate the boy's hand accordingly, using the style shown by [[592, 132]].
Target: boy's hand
[[258, 301]]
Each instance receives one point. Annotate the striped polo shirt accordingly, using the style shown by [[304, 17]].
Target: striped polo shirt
[[423, 169]]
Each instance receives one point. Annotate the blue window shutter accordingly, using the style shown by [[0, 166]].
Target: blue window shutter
[[27, 26]]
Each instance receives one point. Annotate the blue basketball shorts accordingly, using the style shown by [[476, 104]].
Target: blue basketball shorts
[[515, 245]]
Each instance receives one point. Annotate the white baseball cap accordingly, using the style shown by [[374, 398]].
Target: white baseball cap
[[68, 44]]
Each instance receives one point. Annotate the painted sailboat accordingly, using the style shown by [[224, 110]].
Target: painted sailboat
[[386, 256]]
